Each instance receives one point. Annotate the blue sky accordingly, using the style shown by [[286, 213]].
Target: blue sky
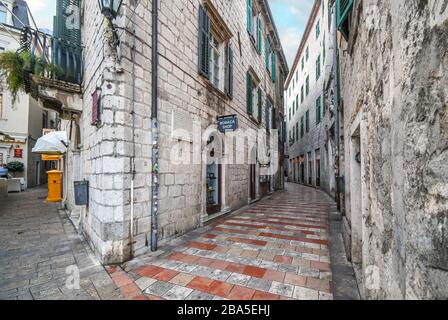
[[290, 17]]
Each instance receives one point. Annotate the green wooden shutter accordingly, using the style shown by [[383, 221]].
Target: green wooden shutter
[[302, 131], [318, 111], [268, 113], [260, 107], [307, 121], [342, 9], [204, 43], [260, 35], [249, 89], [268, 51], [274, 67], [229, 78], [250, 18]]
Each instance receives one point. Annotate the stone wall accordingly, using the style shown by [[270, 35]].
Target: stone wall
[[122, 142], [395, 100]]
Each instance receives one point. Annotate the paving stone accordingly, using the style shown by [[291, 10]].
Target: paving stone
[[238, 279], [198, 295], [144, 282], [301, 293], [282, 289], [177, 293], [159, 288], [259, 284]]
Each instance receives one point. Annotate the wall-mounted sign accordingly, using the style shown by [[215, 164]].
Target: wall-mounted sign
[[227, 123], [18, 153]]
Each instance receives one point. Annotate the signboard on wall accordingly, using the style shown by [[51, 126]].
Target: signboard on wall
[[18, 153], [227, 123]]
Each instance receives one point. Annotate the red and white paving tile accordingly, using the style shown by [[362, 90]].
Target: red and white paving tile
[[276, 250]]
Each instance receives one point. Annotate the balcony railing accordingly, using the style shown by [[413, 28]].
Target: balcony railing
[[64, 57]]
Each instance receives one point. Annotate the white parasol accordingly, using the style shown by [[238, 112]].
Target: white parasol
[[53, 143]]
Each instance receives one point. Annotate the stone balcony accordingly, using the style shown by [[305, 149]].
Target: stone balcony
[[60, 96]]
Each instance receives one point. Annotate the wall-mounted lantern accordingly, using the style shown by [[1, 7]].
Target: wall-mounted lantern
[[110, 8]]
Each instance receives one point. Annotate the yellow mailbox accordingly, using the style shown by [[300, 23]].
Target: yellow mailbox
[[54, 186]]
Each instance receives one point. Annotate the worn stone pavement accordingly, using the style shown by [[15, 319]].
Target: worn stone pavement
[[277, 248], [37, 245]]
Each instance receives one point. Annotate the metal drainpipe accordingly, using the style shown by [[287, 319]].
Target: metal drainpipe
[[155, 147], [336, 103]]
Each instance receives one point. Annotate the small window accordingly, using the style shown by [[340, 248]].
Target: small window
[[3, 13], [307, 85], [307, 53], [317, 29], [216, 67], [303, 63], [307, 121], [302, 94], [318, 68], [318, 110]]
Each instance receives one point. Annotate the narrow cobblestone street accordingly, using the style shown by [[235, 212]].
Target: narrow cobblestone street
[[276, 249], [37, 245]]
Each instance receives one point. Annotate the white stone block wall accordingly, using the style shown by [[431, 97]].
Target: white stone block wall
[[107, 151]]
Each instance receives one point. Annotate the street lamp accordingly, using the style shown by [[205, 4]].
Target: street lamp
[[110, 8]]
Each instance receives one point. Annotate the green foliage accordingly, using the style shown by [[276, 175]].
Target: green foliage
[[15, 166], [15, 68]]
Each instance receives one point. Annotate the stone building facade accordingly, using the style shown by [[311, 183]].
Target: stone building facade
[[310, 155], [112, 145], [394, 101]]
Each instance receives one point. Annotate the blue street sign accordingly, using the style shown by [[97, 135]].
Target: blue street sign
[[227, 123]]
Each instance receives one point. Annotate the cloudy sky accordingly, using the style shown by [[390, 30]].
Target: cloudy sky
[[290, 17]]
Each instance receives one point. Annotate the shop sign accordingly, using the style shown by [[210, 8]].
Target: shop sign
[[227, 123], [18, 153]]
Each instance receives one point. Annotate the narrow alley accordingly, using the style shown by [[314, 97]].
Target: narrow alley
[[276, 249]]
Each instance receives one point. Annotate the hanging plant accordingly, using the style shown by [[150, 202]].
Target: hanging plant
[[17, 68]]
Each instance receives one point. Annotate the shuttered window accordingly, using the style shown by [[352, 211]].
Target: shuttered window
[[268, 113], [274, 67], [297, 131], [250, 17], [302, 94], [318, 110], [259, 35], [302, 131], [229, 71], [307, 84], [307, 121], [260, 107], [204, 43], [318, 68], [267, 52], [342, 9], [250, 97]]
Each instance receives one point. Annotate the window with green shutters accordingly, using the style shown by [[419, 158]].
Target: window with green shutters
[[318, 29], [307, 84], [302, 131], [343, 10], [259, 34], [318, 110], [297, 102], [250, 17], [307, 121], [302, 95], [307, 54], [293, 108], [229, 73], [274, 67], [204, 43], [290, 114], [303, 63], [260, 107], [297, 131], [318, 68], [267, 52], [250, 96]]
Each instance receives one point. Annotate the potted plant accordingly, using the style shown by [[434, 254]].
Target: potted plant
[[15, 166]]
